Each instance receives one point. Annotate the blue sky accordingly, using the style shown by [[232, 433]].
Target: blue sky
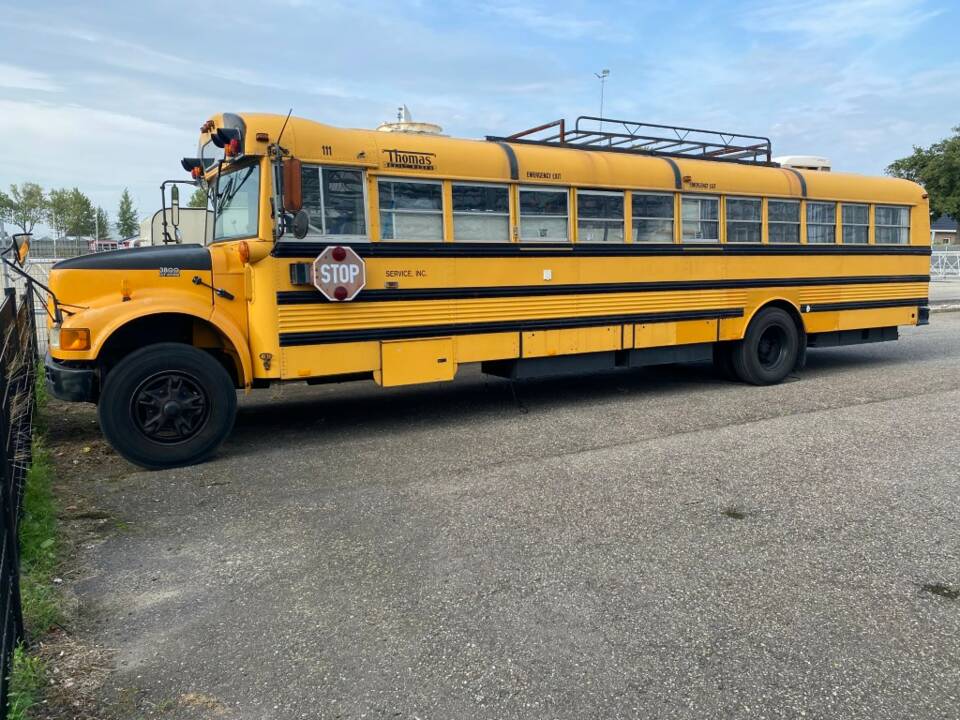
[[109, 94]]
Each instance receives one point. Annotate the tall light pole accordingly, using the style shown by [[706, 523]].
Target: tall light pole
[[602, 76]]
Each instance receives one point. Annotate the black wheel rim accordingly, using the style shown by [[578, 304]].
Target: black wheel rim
[[772, 347], [170, 407]]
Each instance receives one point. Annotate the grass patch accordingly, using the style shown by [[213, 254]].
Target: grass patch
[[40, 394], [38, 545], [38, 563], [26, 683]]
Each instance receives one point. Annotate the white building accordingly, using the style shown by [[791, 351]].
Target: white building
[[196, 226]]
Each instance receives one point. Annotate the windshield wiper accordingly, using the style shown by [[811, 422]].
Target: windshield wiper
[[231, 191]]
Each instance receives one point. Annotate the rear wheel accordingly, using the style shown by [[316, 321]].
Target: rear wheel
[[167, 405], [769, 350]]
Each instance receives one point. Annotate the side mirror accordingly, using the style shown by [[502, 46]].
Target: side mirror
[[175, 205], [292, 187], [301, 224], [21, 246]]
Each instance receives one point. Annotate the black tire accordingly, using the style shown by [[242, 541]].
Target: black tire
[[769, 350], [167, 405]]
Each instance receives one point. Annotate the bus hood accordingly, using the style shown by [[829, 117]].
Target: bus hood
[[173, 258]]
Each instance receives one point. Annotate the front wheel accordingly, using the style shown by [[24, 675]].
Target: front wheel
[[167, 405], [769, 350]]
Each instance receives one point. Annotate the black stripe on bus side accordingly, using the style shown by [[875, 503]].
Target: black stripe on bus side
[[677, 178], [512, 160], [309, 250], [306, 297], [863, 305], [801, 178], [794, 249], [322, 337]]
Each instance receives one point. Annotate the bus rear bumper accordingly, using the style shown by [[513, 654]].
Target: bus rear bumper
[[75, 384], [923, 315]]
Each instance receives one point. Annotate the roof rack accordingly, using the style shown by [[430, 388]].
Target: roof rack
[[597, 133]]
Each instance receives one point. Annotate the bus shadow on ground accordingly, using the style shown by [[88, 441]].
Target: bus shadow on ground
[[363, 404], [364, 407]]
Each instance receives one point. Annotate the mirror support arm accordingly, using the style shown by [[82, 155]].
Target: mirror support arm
[[33, 284], [277, 154], [163, 204]]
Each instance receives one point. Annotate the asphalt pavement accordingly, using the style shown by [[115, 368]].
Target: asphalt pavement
[[646, 544]]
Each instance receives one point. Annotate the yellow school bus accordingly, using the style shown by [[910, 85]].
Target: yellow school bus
[[342, 254]]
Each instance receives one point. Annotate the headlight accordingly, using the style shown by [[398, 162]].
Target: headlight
[[53, 337]]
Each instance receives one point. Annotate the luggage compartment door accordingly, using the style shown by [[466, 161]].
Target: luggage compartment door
[[406, 362]]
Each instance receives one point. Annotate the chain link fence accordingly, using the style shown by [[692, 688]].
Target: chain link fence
[[18, 367], [59, 248], [44, 253], [39, 270]]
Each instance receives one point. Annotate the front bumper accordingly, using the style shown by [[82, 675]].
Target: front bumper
[[76, 384]]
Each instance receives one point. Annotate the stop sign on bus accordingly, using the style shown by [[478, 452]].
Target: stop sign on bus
[[339, 273]]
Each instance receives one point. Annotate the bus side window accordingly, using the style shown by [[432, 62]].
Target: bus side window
[[744, 219], [411, 210], [821, 222], [856, 224], [783, 221], [334, 198], [652, 217], [543, 214], [893, 224], [699, 219], [599, 216], [481, 213]]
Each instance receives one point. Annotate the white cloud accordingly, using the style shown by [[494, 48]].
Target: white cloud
[[834, 22], [66, 145], [554, 23], [140, 58], [20, 78]]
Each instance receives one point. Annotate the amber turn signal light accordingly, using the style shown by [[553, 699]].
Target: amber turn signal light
[[74, 339]]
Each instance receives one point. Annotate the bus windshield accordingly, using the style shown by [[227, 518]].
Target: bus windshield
[[237, 203]]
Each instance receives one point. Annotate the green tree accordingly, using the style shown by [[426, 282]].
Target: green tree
[[58, 210], [102, 224], [127, 223], [80, 216], [198, 199], [937, 168], [25, 206]]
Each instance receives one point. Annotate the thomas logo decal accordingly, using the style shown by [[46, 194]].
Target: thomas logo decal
[[410, 160]]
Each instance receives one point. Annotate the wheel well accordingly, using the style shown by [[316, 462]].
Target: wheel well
[[170, 327], [791, 310]]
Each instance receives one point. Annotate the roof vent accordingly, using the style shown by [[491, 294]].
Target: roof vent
[[804, 162], [405, 124]]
